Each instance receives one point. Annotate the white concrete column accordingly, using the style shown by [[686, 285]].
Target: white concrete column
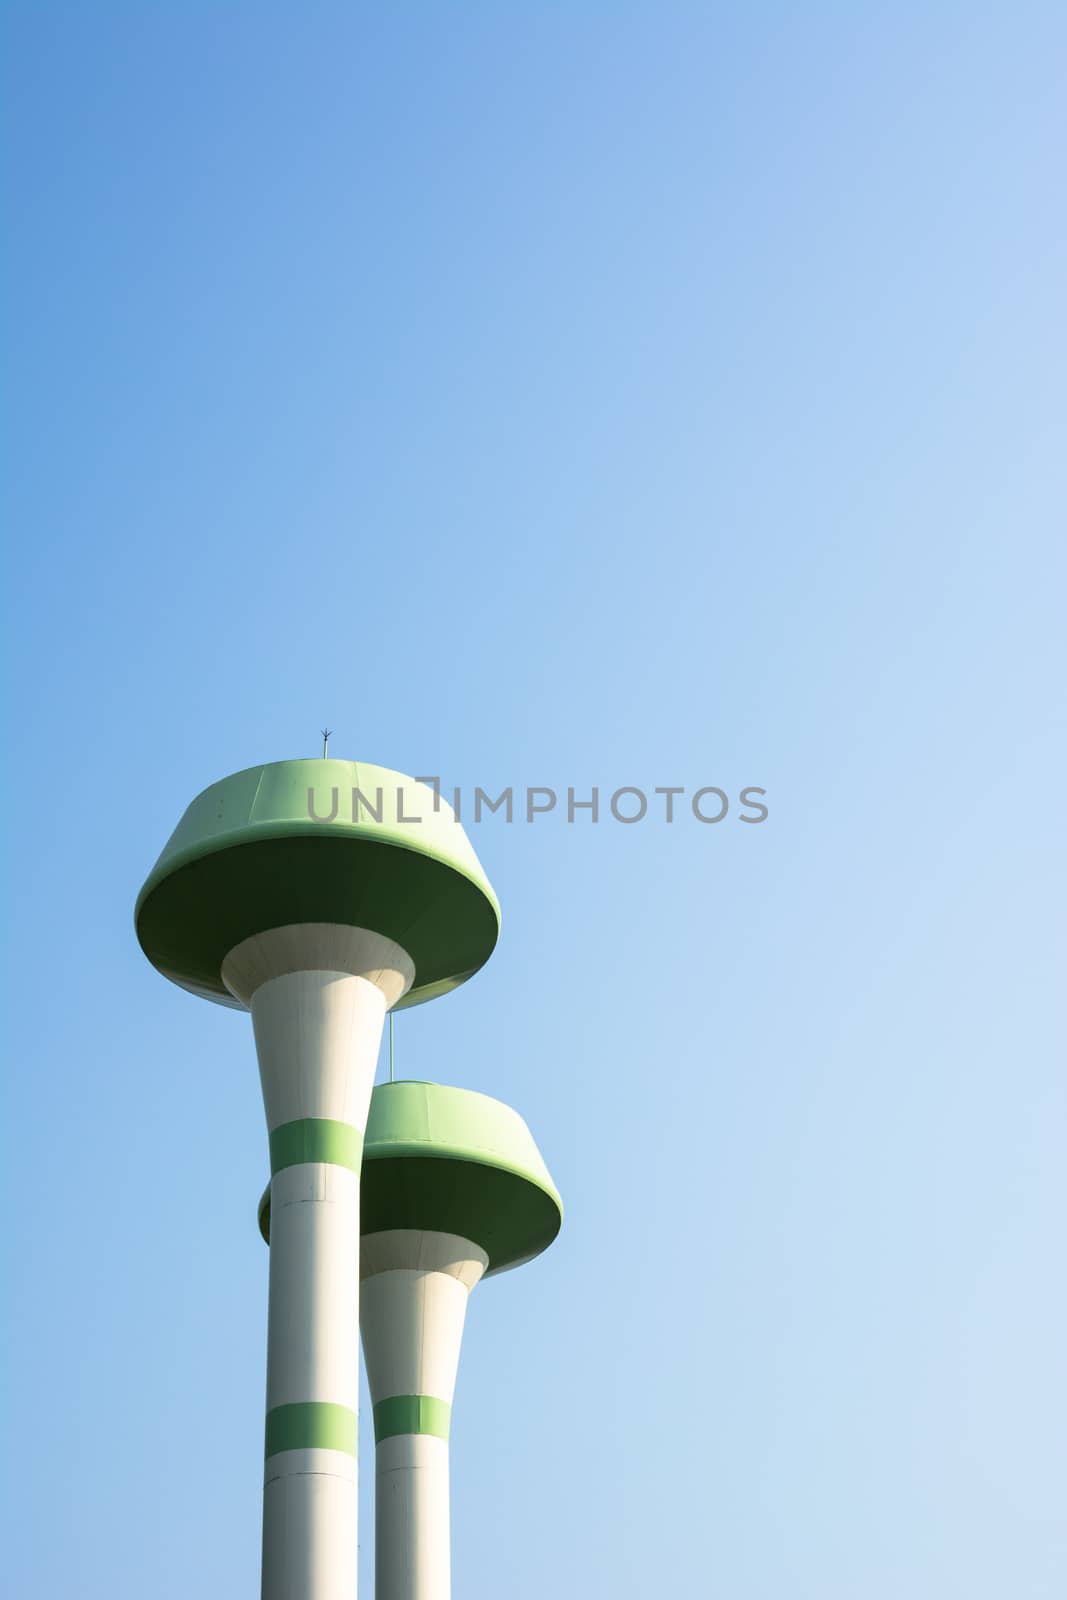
[[414, 1302], [318, 996]]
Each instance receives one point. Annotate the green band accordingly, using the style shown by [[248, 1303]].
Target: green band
[[411, 1413], [312, 1425], [316, 1139]]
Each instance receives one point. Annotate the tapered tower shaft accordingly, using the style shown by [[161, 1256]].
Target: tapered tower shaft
[[317, 1029], [414, 1302]]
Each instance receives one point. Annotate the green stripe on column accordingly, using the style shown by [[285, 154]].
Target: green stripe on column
[[312, 1425], [411, 1413], [316, 1139]]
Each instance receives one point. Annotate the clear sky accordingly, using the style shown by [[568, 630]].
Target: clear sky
[[568, 395]]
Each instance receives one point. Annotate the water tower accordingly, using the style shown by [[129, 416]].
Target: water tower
[[454, 1190], [317, 895]]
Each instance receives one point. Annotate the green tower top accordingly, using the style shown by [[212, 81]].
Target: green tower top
[[318, 841], [453, 1161]]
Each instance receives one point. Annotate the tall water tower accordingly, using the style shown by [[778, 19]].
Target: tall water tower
[[317, 895]]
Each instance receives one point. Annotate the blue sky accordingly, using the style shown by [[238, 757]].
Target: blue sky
[[565, 395]]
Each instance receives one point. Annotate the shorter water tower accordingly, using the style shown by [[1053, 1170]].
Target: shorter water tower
[[453, 1189]]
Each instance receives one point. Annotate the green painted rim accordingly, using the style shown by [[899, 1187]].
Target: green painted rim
[[312, 1425], [411, 1413], [437, 1157], [247, 856]]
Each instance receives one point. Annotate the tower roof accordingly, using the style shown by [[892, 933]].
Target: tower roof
[[318, 841], [455, 1161]]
